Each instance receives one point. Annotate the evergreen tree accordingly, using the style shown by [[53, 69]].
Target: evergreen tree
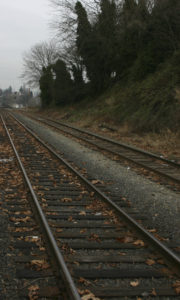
[[46, 86], [84, 38], [83, 29], [107, 45], [79, 86], [97, 44], [127, 38], [62, 85]]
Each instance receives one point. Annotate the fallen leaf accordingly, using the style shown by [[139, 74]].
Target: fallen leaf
[[26, 219], [150, 262], [152, 230], [96, 181], [160, 238], [66, 200], [128, 239], [84, 281], [59, 230], [83, 230], [154, 292], [33, 292], [134, 283], [94, 237], [176, 285], [139, 243], [40, 264], [84, 192], [89, 296], [122, 253], [42, 249], [82, 213]]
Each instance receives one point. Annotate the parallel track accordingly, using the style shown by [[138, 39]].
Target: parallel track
[[102, 253], [26, 268], [154, 163]]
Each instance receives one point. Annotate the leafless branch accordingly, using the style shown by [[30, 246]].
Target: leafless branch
[[39, 56]]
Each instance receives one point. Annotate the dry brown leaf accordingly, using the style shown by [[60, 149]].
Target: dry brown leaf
[[154, 292], [150, 262], [84, 192], [89, 296], [66, 200], [23, 229], [128, 239], [42, 249], [176, 285], [96, 181], [37, 174], [33, 292], [83, 281], [59, 230], [152, 230], [139, 243], [160, 238], [83, 230], [122, 253], [26, 219], [94, 237], [82, 213], [134, 283], [40, 264]]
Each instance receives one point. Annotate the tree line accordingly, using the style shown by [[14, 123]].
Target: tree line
[[108, 41]]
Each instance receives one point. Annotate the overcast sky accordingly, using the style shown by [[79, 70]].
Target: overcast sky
[[23, 23]]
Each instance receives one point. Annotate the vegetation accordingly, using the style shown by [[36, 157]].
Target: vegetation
[[126, 49]]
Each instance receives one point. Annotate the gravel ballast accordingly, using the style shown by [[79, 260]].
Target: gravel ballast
[[158, 203]]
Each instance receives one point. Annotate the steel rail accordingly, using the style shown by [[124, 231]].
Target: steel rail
[[148, 154], [168, 254], [71, 288]]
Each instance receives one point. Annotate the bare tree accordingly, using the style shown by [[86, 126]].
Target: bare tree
[[65, 19], [39, 56]]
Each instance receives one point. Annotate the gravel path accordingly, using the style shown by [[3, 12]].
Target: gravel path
[[161, 205]]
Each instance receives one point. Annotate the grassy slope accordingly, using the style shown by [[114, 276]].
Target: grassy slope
[[152, 104], [145, 113]]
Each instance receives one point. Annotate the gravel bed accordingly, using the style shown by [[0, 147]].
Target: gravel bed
[[161, 205]]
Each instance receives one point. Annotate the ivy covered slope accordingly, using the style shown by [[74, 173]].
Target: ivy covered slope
[[153, 103]]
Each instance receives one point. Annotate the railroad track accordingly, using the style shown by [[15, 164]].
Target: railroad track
[[106, 254], [158, 165], [26, 269]]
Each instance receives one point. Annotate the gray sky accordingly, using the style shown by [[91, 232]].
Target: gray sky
[[23, 23]]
